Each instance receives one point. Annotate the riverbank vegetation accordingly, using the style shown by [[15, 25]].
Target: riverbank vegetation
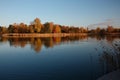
[[49, 27]]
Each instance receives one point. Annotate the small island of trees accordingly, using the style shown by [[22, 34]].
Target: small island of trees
[[49, 27]]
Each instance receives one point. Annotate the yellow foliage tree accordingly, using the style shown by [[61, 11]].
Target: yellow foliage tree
[[57, 29], [37, 25]]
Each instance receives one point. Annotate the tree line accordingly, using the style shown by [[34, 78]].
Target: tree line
[[49, 27]]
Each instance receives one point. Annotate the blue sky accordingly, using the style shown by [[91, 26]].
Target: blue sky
[[65, 12]]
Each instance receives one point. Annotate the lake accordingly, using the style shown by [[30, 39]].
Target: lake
[[58, 58]]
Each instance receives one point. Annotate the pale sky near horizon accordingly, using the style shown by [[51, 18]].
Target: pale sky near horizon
[[65, 12]]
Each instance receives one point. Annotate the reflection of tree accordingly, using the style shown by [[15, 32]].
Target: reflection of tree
[[48, 42], [98, 37], [111, 38], [4, 39], [18, 42], [36, 44], [57, 40], [74, 38]]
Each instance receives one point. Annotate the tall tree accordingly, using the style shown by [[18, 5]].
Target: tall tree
[[3, 30], [110, 29], [15, 28], [22, 28], [31, 29], [10, 29], [57, 29], [37, 25], [48, 27], [98, 30]]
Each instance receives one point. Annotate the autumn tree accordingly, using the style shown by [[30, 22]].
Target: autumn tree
[[57, 29], [48, 27], [37, 25], [116, 30], [10, 29], [64, 29], [102, 31], [98, 30], [15, 28], [31, 29], [82, 30], [22, 28], [110, 29], [71, 30], [3, 30], [76, 30], [0, 30]]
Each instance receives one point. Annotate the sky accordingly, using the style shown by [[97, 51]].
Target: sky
[[88, 13]]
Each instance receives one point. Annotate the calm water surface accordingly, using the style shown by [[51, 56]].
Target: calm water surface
[[66, 58]]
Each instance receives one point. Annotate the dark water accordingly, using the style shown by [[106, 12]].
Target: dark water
[[66, 58]]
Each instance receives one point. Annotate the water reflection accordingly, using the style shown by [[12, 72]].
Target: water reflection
[[71, 62], [37, 43]]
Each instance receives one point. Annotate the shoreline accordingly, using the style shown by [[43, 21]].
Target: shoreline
[[53, 34], [43, 34]]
